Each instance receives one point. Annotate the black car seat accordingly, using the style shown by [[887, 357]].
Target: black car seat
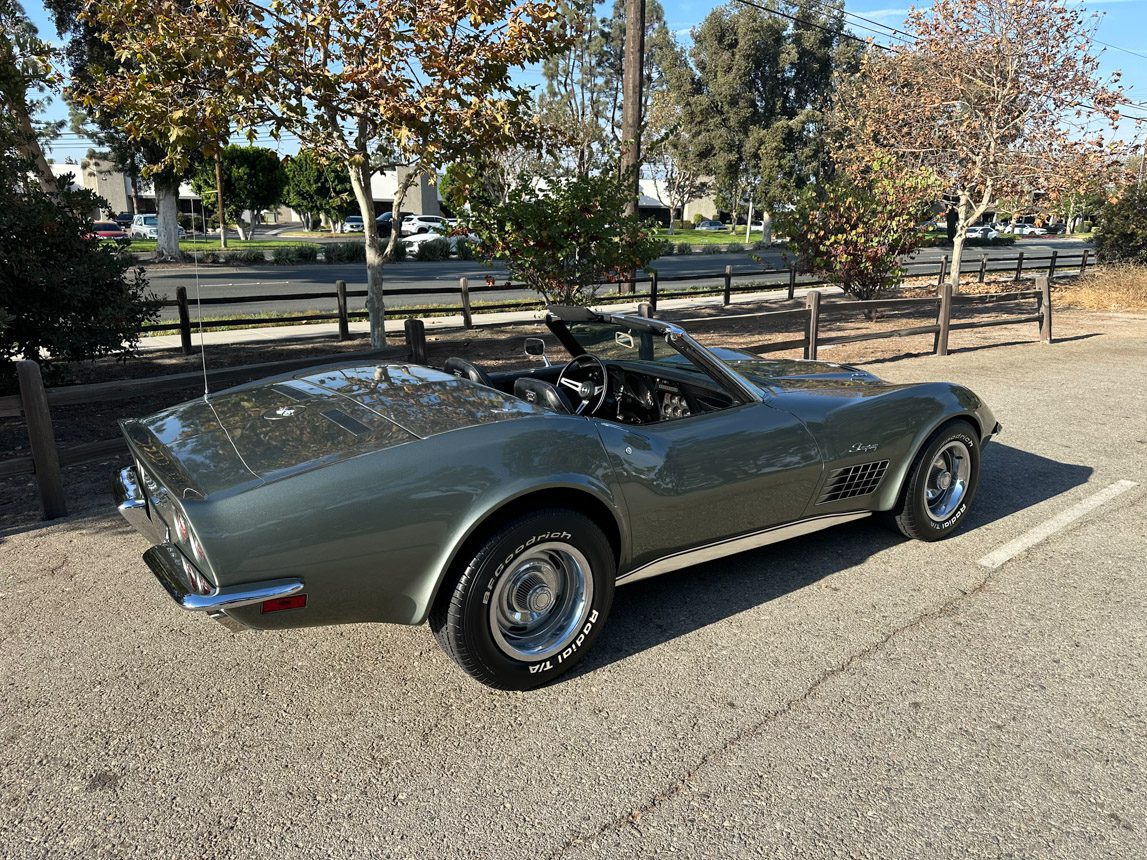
[[466, 370], [542, 393]]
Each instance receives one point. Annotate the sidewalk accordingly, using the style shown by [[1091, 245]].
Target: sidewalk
[[395, 321]]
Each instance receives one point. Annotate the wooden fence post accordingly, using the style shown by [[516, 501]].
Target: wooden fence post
[[728, 285], [415, 340], [812, 302], [1083, 262], [1043, 284], [1051, 265], [792, 281], [944, 320], [645, 310], [943, 270], [983, 266], [467, 317], [1019, 266], [344, 320], [41, 439], [652, 291], [184, 320]]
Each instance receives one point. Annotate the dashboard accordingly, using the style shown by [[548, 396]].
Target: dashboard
[[644, 398]]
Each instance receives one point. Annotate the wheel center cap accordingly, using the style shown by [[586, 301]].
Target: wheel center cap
[[540, 598], [944, 481]]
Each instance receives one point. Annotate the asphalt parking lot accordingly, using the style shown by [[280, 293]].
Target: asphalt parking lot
[[848, 694]]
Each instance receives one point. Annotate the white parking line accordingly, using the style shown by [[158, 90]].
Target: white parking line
[[1046, 529]]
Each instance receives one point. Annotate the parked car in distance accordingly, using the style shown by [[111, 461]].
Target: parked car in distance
[[412, 242], [413, 224], [982, 232], [1028, 230], [352, 224], [709, 225], [109, 231], [504, 506], [147, 227], [124, 220]]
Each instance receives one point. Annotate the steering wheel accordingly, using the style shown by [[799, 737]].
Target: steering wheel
[[587, 378]]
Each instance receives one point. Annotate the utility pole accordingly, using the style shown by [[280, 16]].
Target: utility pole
[[633, 71]]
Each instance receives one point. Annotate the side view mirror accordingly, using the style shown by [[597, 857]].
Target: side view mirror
[[536, 348]]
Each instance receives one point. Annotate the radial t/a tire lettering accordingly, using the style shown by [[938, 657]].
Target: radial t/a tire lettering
[[940, 485], [529, 604]]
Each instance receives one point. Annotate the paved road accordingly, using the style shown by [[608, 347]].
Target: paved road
[[217, 281], [840, 696]]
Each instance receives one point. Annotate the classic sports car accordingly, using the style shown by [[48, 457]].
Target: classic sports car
[[504, 507]]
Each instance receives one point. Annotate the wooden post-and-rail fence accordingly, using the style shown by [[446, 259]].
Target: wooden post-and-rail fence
[[46, 460], [725, 283]]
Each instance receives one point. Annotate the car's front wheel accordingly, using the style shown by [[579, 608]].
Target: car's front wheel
[[940, 485], [529, 603]]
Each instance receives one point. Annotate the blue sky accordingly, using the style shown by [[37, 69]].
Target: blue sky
[[1123, 27]]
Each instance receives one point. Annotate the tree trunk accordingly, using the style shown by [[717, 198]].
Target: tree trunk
[[167, 212], [221, 212], [375, 303], [963, 215], [766, 227]]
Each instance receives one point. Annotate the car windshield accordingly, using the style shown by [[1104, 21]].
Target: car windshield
[[150, 220], [106, 225], [607, 340], [353, 219]]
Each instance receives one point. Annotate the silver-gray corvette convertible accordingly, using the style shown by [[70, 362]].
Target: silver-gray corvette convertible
[[504, 507]]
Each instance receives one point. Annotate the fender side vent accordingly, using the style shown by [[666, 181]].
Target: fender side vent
[[852, 481]]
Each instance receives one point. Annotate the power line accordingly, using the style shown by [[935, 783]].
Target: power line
[[837, 33]]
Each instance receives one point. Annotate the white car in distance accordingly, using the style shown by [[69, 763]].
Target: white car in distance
[[147, 227], [414, 224], [982, 232]]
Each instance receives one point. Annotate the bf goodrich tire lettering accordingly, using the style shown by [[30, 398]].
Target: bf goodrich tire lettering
[[528, 605]]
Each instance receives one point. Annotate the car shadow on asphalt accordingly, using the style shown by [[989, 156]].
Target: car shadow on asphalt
[[654, 611]]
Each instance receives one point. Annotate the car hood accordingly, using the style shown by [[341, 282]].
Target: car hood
[[785, 374], [275, 428]]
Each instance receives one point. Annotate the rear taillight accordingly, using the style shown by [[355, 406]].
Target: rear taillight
[[195, 579], [291, 601]]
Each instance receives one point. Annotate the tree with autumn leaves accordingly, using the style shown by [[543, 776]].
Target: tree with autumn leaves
[[1001, 99], [368, 84]]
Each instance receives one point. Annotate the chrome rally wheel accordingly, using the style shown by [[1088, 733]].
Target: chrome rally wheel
[[947, 482], [537, 608]]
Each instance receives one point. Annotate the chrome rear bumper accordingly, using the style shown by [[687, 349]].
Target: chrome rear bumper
[[166, 563]]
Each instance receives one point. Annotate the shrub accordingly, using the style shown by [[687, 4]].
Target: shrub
[[306, 253], [856, 233], [684, 248], [566, 238], [1121, 236], [667, 248], [401, 252], [712, 249], [344, 252], [698, 218], [63, 297], [245, 255], [433, 251], [735, 248], [464, 248], [285, 254], [1086, 226]]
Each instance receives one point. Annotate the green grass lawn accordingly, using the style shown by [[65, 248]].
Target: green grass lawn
[[146, 245], [707, 237]]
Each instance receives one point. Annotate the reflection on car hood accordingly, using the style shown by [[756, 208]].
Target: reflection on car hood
[[271, 429], [785, 374]]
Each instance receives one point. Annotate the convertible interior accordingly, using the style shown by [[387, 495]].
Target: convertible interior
[[624, 390]]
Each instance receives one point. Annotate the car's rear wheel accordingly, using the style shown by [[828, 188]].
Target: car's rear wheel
[[940, 485], [530, 601]]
